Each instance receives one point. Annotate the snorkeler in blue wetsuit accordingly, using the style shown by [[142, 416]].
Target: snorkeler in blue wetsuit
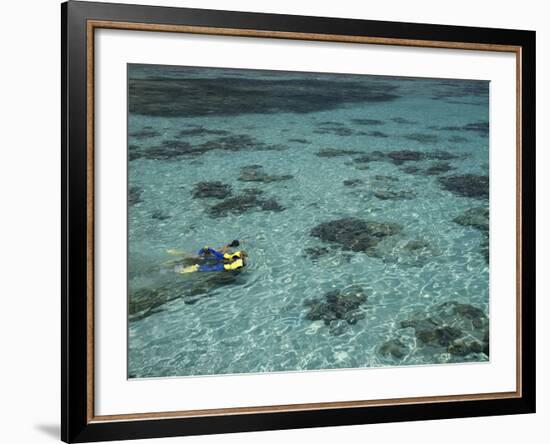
[[222, 261]]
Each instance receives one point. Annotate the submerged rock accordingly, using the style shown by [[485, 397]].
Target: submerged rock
[[457, 139], [402, 120], [393, 347], [239, 142], [134, 195], [481, 127], [438, 168], [244, 202], [145, 133], [415, 245], [467, 185], [411, 170], [215, 190], [256, 173], [168, 149], [460, 329], [337, 305], [148, 300], [315, 253], [337, 131], [399, 157], [422, 138], [336, 152], [367, 122], [374, 156], [160, 215], [394, 195], [353, 182], [378, 134], [182, 92], [384, 178], [443, 155], [355, 234], [202, 131], [477, 217], [406, 252]]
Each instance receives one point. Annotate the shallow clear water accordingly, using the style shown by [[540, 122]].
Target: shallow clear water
[[257, 321]]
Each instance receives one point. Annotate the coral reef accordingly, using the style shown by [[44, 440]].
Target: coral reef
[[256, 173], [337, 305], [355, 234], [215, 190], [467, 185], [248, 200]]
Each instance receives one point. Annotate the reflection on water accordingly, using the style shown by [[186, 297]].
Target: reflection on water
[[362, 202]]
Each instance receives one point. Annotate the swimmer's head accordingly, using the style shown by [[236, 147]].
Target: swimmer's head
[[234, 244]]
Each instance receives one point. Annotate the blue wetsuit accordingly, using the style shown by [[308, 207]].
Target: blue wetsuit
[[204, 252], [212, 255]]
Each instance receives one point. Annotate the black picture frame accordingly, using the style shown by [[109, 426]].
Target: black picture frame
[[77, 425]]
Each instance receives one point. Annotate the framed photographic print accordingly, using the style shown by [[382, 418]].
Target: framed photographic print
[[275, 221]]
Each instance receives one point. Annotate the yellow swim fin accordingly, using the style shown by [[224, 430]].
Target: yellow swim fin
[[175, 252], [190, 269]]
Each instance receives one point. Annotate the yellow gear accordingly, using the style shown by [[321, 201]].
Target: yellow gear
[[190, 269], [234, 265], [232, 256]]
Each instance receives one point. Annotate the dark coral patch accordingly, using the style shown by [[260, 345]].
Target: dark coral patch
[[378, 134], [355, 234], [394, 195], [403, 121], [411, 170], [374, 156], [338, 129], [467, 185], [215, 189], [144, 133], [182, 92], [460, 329], [244, 202], [393, 347], [457, 139], [368, 122], [443, 155], [336, 152], [477, 218], [134, 195], [239, 142], [399, 157], [337, 305], [256, 173], [353, 182], [481, 128], [422, 138], [202, 131], [438, 168], [168, 149]]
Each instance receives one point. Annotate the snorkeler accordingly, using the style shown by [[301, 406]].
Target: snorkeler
[[206, 252], [223, 261], [203, 255]]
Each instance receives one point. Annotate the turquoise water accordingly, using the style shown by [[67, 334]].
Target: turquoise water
[[299, 141]]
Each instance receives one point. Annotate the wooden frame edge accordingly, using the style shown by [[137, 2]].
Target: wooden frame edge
[[91, 25]]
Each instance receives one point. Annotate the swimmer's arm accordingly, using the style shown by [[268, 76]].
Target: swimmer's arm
[[208, 250]]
